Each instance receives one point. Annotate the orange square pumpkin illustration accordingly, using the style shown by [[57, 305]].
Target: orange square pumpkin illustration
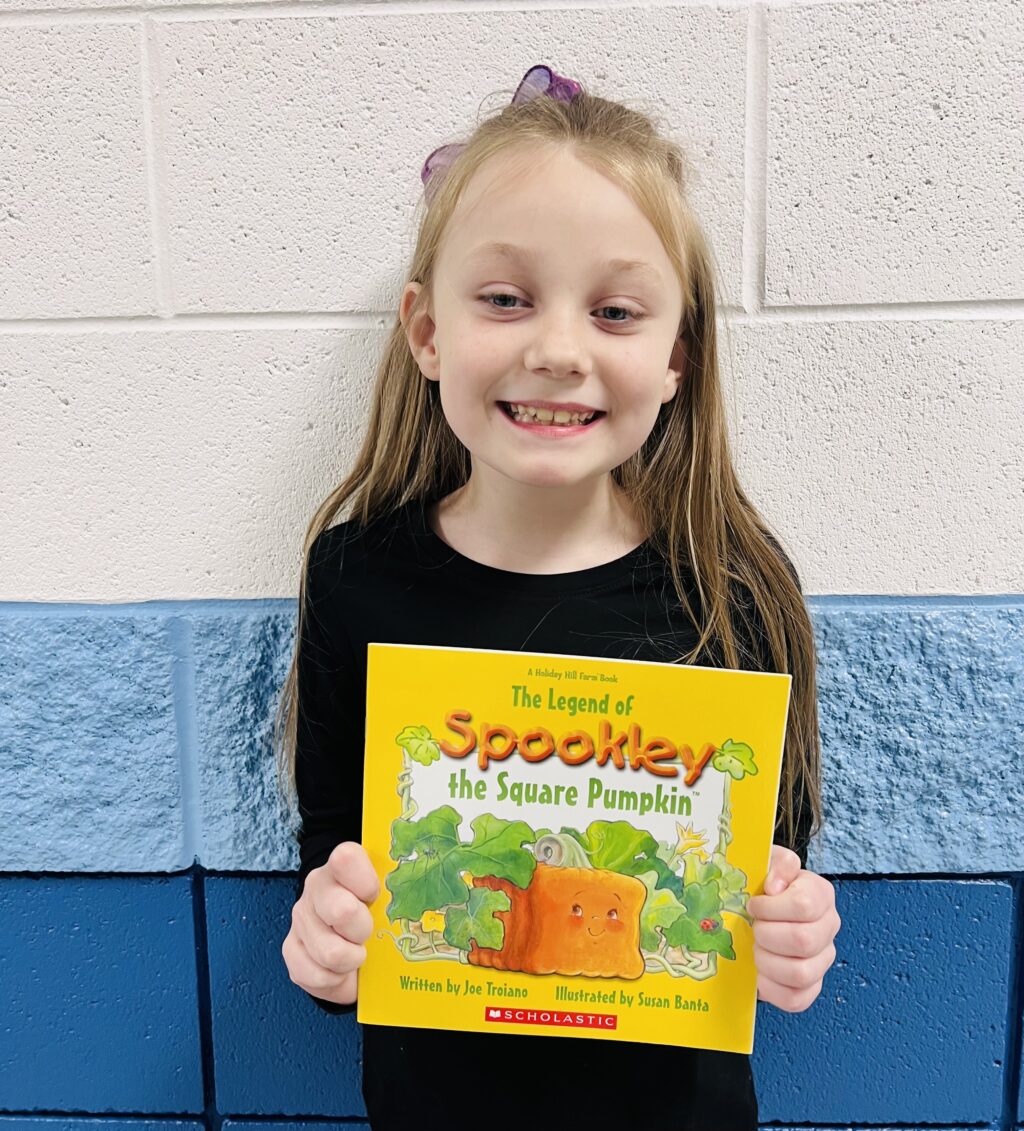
[[568, 921]]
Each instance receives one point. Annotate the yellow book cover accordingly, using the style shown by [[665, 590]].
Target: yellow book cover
[[567, 844]]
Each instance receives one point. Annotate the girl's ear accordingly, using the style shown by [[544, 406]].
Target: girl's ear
[[676, 371], [419, 332]]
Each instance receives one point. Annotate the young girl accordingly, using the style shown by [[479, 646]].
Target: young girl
[[546, 469]]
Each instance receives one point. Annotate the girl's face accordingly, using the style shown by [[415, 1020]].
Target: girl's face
[[550, 320]]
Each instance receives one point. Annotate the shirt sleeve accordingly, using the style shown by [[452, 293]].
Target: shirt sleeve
[[756, 654], [330, 721]]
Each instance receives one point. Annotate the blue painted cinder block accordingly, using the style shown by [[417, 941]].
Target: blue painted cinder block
[[241, 660], [88, 743], [921, 736], [70, 1123], [100, 1006], [306, 1125], [275, 1051], [910, 1025]]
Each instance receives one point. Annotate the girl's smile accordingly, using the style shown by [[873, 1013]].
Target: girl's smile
[[549, 423]]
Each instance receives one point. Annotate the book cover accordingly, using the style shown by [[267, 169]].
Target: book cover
[[567, 844]]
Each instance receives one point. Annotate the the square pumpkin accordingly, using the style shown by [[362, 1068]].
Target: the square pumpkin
[[569, 921]]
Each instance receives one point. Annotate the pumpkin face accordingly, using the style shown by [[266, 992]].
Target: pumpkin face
[[569, 921]]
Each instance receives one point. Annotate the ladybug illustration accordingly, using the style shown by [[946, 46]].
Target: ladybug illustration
[[708, 924]]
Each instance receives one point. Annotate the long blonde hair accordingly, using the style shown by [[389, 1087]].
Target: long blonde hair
[[681, 483]]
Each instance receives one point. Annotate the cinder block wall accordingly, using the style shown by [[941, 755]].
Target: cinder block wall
[[204, 216]]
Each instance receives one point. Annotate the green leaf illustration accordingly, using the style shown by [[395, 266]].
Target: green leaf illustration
[[477, 921], [431, 880], [427, 883], [619, 847], [697, 871], [660, 909], [685, 932], [732, 883], [435, 833], [615, 845], [700, 929], [497, 850], [735, 759], [418, 744]]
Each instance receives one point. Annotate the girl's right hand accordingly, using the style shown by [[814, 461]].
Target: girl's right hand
[[330, 923]]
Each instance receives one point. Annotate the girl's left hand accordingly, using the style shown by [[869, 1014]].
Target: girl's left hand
[[795, 922]]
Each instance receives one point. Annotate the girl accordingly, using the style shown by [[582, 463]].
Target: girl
[[546, 469]]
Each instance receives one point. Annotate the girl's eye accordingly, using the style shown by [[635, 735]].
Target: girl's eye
[[577, 910], [632, 315], [613, 914]]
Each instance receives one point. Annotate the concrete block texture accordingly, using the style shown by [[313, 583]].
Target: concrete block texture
[[100, 998], [305, 1125], [71, 1123], [910, 1026], [75, 240], [894, 167], [885, 453], [275, 1051], [183, 465], [241, 660], [173, 465], [920, 712], [89, 751], [293, 183]]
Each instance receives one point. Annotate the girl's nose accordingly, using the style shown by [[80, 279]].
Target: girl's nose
[[558, 346]]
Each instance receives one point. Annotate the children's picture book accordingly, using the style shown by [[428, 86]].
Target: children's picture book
[[566, 844]]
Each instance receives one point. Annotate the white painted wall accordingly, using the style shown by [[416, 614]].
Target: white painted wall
[[205, 217]]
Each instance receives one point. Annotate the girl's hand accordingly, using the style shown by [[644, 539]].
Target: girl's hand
[[330, 923], [795, 922]]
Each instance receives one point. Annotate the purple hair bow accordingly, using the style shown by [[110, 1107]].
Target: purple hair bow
[[537, 81]]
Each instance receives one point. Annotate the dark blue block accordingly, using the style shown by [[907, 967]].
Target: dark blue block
[[275, 1051], [71, 1123], [910, 1026], [305, 1125], [99, 986]]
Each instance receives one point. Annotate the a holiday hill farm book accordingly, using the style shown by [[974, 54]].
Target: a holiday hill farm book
[[567, 844]]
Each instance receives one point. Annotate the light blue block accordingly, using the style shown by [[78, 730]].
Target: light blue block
[[922, 732], [275, 1051], [241, 658], [100, 1010], [88, 743], [910, 1025]]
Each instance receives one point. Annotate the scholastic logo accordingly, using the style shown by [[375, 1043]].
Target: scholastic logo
[[551, 1017]]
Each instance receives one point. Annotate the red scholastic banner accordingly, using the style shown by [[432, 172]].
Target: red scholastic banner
[[551, 1017]]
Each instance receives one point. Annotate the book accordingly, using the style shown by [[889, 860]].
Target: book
[[566, 844]]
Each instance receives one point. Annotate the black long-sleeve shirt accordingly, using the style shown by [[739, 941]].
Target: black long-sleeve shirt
[[397, 581]]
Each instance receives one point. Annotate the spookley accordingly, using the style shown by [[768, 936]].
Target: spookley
[[568, 921]]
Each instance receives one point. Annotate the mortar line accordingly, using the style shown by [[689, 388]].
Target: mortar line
[[210, 322], [1015, 1014], [755, 188], [245, 606], [179, 630], [152, 120], [204, 997]]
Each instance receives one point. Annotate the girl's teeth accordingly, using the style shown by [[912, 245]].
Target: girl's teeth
[[547, 416]]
